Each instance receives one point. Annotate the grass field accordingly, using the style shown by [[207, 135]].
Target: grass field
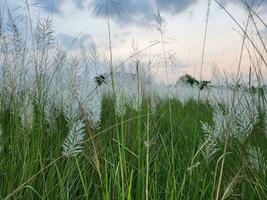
[[68, 132], [143, 154]]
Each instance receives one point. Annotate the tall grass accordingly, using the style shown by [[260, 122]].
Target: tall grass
[[66, 135]]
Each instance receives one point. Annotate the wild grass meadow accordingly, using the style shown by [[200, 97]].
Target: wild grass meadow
[[78, 126]]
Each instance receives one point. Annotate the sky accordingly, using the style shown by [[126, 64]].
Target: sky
[[85, 22]]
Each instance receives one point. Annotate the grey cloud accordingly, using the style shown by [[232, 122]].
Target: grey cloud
[[73, 43], [255, 3], [126, 11], [79, 3], [135, 10], [141, 12], [51, 6], [54, 6], [175, 6]]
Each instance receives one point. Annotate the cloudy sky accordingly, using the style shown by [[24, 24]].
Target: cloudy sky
[[135, 19]]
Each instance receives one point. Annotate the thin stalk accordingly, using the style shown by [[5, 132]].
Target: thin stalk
[[232, 110], [33, 49], [204, 47], [242, 29], [222, 169], [121, 157], [110, 56], [147, 151], [170, 110], [139, 140], [242, 50], [254, 12], [113, 91]]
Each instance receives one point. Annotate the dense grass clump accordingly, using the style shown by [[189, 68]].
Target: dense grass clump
[[140, 152]]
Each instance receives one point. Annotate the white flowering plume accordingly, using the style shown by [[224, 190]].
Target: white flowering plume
[[237, 122], [120, 104], [184, 92], [129, 89], [93, 106], [256, 159], [208, 149], [73, 144], [26, 112], [153, 104]]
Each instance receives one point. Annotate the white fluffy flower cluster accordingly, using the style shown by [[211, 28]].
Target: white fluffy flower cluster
[[256, 159], [237, 122], [120, 104], [73, 144]]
